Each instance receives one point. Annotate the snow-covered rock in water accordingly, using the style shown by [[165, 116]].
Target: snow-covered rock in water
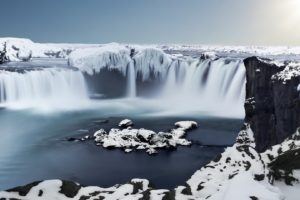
[[186, 125], [142, 139], [125, 123]]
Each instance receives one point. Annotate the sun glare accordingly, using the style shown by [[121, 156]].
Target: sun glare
[[288, 13], [295, 8]]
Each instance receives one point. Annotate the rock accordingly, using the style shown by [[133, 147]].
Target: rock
[[186, 125], [142, 139], [99, 133], [128, 150], [3, 56], [125, 123], [72, 139], [272, 101]]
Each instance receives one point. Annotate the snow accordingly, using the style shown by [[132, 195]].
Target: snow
[[290, 192], [19, 49], [291, 143], [148, 56], [51, 189], [22, 49], [263, 51], [243, 187], [235, 174], [290, 71]]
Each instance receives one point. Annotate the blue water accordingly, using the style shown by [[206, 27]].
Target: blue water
[[33, 147]]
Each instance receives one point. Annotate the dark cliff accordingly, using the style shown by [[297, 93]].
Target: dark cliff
[[272, 105]]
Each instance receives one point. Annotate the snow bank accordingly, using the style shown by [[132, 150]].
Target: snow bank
[[64, 190], [19, 49], [263, 51], [239, 158], [244, 187], [290, 71]]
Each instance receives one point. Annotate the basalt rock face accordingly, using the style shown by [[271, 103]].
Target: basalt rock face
[[272, 105]]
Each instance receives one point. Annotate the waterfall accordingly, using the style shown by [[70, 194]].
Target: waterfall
[[206, 84], [171, 83], [181, 83], [207, 79], [131, 81], [42, 86]]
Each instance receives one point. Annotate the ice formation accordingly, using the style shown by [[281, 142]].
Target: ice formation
[[92, 60]]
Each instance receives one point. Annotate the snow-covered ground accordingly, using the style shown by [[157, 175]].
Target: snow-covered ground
[[18, 48]]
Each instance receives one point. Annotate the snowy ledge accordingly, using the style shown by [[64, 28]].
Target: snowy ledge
[[292, 70], [129, 139]]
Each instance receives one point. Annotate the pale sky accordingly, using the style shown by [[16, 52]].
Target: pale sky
[[223, 22]]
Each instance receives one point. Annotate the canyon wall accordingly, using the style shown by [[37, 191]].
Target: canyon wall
[[272, 104]]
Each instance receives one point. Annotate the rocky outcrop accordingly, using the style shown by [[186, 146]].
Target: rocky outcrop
[[130, 139], [3, 57], [272, 103]]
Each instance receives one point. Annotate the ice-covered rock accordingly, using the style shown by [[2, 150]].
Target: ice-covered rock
[[148, 61], [125, 123], [186, 125], [92, 60], [151, 61], [142, 139]]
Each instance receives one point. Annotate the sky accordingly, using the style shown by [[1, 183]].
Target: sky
[[212, 22]]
